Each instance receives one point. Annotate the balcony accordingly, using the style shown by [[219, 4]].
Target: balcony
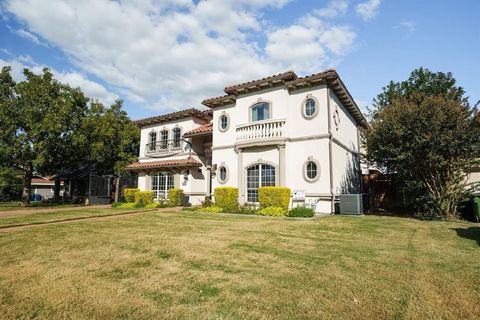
[[163, 148], [261, 131]]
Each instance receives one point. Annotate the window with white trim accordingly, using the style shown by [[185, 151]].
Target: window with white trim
[[161, 183], [176, 135], [222, 174], [164, 139], [309, 108], [223, 122], [260, 111], [259, 175], [152, 141]]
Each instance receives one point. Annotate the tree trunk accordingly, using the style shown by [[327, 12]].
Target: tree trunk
[[56, 190], [27, 182]]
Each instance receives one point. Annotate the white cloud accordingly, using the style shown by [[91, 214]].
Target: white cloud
[[172, 54], [409, 25], [334, 9], [92, 89], [30, 36], [369, 9]]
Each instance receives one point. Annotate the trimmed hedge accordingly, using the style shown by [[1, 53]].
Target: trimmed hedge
[[129, 194], [175, 197], [272, 211], [274, 197], [226, 198], [144, 197], [301, 212]]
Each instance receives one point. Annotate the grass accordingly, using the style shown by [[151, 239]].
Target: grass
[[32, 217], [14, 206], [203, 266]]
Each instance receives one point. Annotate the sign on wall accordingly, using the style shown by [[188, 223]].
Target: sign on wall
[[298, 195]]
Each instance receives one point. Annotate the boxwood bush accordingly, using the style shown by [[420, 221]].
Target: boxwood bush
[[129, 194], [274, 197], [144, 197], [272, 211], [175, 197], [226, 198], [301, 212]]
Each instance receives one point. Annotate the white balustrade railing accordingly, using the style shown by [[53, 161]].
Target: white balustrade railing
[[266, 129]]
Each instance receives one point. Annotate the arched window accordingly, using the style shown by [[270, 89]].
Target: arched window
[[260, 111], [176, 135], [222, 174], [152, 141], [259, 175], [309, 108], [223, 122], [164, 139], [311, 170]]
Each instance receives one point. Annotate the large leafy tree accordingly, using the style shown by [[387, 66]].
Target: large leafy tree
[[40, 120], [112, 138], [425, 132]]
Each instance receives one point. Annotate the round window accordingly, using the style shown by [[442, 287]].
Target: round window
[[311, 170], [309, 108], [223, 122], [222, 174]]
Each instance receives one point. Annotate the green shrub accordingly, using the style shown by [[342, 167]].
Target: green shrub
[[207, 202], [125, 205], [226, 198], [129, 194], [274, 197], [116, 204], [272, 211], [144, 197], [301, 212], [246, 208], [175, 197], [213, 209]]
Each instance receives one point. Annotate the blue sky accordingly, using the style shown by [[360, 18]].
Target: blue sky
[[161, 56]]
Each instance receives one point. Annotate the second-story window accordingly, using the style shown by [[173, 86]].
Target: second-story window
[[260, 111], [163, 139], [176, 133], [152, 140]]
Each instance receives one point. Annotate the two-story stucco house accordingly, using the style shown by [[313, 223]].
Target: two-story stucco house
[[283, 130]]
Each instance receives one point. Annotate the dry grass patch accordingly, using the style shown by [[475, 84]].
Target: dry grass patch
[[190, 265]]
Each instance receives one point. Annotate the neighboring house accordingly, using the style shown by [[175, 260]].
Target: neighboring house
[[473, 179], [283, 130], [44, 187]]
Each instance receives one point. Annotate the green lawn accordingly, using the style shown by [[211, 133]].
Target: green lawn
[[32, 217], [15, 206], [204, 266]]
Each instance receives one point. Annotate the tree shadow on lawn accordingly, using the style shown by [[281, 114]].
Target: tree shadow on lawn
[[471, 233]]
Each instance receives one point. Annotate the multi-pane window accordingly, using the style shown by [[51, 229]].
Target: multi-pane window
[[309, 108], [311, 170], [223, 122], [176, 133], [260, 111], [161, 183], [163, 139], [152, 140], [259, 175]]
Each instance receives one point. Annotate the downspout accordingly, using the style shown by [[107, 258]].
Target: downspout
[[330, 152]]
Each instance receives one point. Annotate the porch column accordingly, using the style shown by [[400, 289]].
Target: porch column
[[281, 165], [241, 189]]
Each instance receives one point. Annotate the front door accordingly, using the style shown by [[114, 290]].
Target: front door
[[161, 183]]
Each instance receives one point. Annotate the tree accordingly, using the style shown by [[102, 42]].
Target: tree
[[40, 120], [112, 138], [425, 132]]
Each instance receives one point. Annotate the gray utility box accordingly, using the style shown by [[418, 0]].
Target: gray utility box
[[351, 204]]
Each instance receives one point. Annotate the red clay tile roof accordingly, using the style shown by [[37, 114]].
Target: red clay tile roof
[[221, 100], [205, 129], [43, 181], [189, 162], [285, 76], [192, 112]]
